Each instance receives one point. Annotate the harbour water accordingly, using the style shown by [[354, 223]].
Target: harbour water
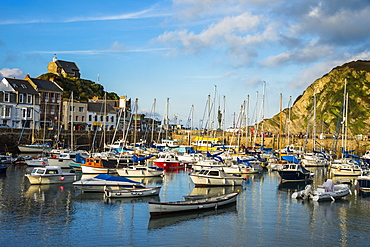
[[264, 215]]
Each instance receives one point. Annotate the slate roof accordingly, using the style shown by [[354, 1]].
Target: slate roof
[[46, 85], [69, 67], [21, 86], [99, 107]]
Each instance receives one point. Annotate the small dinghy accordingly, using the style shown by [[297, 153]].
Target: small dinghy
[[328, 192], [119, 192], [192, 204]]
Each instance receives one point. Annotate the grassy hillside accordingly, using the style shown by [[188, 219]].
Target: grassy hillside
[[82, 89], [329, 103]]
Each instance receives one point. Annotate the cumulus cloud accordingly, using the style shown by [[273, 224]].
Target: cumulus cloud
[[6, 72]]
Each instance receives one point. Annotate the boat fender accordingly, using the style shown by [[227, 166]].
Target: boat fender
[[339, 168], [62, 178]]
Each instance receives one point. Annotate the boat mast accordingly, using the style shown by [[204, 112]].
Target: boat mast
[[246, 121], [135, 121], [344, 118], [289, 113], [105, 117], [71, 109], [153, 121], [263, 114], [314, 121], [281, 123]]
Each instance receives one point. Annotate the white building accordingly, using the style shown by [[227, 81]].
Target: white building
[[100, 115], [19, 104]]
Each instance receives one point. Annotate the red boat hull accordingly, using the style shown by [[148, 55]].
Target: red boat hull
[[169, 165]]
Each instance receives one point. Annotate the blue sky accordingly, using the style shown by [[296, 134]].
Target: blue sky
[[182, 49]]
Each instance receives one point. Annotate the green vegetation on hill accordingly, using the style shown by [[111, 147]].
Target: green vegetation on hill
[[83, 90], [329, 103]]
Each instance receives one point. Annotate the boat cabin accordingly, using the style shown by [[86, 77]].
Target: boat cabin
[[46, 170]]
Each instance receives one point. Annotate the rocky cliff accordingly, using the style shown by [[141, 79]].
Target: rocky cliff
[[329, 91]]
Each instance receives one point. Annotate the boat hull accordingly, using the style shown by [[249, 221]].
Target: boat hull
[[158, 208], [294, 176], [62, 163], [124, 193], [169, 165], [363, 182], [213, 181], [33, 149], [96, 170], [50, 179], [127, 172]]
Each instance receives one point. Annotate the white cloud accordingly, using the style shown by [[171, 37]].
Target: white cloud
[[16, 73]]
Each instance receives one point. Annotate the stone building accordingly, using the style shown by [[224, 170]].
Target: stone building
[[63, 68]]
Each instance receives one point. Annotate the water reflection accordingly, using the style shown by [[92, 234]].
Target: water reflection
[[158, 222], [145, 199], [214, 191]]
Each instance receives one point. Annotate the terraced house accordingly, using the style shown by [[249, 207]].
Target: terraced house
[[20, 104]]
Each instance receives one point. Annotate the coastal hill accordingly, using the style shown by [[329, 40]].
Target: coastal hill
[[82, 89], [329, 104]]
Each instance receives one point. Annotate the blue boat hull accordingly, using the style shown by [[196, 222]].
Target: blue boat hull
[[294, 176]]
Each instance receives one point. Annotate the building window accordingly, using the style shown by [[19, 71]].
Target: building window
[[76, 118], [52, 96], [29, 99], [6, 97], [58, 97], [46, 96], [5, 111], [80, 109], [101, 118], [24, 113], [90, 118], [107, 118], [83, 118], [29, 110], [71, 108], [112, 119], [20, 99], [52, 107], [96, 118]]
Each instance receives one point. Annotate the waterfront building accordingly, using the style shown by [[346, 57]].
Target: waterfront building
[[20, 104], [75, 113], [100, 116], [50, 101]]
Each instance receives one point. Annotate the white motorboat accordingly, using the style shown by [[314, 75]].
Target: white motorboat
[[345, 167], [330, 193], [168, 160], [140, 171], [119, 191], [50, 175], [99, 183], [215, 177], [191, 204], [244, 167], [38, 162]]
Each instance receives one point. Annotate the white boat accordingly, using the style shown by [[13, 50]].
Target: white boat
[[330, 193], [99, 183], [119, 192], [38, 162], [140, 171], [191, 204], [244, 167], [65, 159], [50, 175], [34, 148], [314, 159], [207, 163], [6, 159], [168, 160], [215, 177], [345, 167]]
